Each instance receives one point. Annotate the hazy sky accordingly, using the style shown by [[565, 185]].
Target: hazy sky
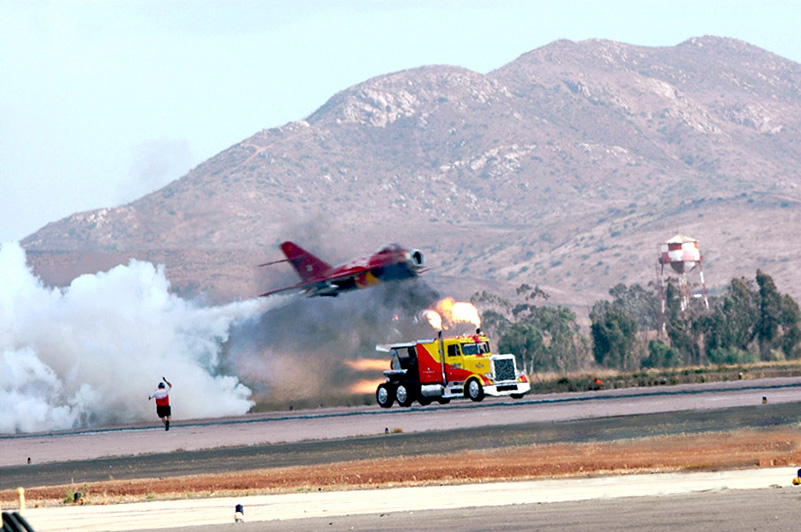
[[103, 101]]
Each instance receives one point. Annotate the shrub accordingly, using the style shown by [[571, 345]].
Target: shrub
[[731, 355]]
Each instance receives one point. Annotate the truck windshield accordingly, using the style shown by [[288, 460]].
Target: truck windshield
[[472, 349]]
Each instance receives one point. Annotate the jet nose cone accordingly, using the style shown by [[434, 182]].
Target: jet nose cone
[[415, 258]]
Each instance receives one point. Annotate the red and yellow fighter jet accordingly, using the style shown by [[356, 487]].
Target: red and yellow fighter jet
[[318, 278]]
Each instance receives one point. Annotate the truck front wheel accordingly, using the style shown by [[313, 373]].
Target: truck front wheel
[[384, 395], [404, 395], [474, 390]]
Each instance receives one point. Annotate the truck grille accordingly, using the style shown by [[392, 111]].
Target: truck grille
[[505, 369]]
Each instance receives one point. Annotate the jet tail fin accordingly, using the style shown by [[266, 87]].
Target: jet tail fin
[[307, 265]]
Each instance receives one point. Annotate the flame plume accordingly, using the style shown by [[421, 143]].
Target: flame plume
[[368, 364], [364, 386], [433, 318], [450, 312]]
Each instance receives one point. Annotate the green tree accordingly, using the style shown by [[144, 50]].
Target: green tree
[[566, 348], [613, 334], [791, 327], [641, 303], [526, 342], [494, 323], [660, 355], [490, 300], [734, 319], [770, 314], [633, 309], [544, 337], [684, 334], [732, 355], [672, 301]]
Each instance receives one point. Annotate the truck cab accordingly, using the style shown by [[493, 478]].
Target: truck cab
[[442, 369]]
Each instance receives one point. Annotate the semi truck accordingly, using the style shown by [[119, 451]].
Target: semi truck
[[441, 369]]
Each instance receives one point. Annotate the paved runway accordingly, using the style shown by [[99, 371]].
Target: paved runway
[[395, 445], [336, 423], [759, 499], [630, 502]]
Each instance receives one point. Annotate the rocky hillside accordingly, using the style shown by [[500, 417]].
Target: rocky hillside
[[564, 168]]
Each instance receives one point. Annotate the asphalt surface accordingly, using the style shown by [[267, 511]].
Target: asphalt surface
[[513, 501], [282, 439], [265, 456], [772, 509]]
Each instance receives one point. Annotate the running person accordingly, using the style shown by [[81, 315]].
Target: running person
[[162, 397]]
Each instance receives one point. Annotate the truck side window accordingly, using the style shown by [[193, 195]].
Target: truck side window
[[453, 350]]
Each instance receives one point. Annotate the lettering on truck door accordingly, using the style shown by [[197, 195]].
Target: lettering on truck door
[[453, 363]]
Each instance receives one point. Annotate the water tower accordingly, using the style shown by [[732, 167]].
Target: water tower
[[681, 253]]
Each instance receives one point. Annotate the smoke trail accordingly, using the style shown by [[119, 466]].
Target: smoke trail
[[296, 354], [91, 353]]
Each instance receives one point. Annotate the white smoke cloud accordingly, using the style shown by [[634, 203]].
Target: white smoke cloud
[[91, 353]]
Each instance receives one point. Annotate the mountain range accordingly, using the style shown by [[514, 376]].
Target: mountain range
[[565, 168]]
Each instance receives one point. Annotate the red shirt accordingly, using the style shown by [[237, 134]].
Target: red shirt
[[162, 396]]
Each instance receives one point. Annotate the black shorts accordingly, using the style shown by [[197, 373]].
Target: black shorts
[[163, 411]]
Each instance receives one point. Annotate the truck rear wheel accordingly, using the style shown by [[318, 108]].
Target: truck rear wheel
[[404, 395], [384, 395], [474, 390]]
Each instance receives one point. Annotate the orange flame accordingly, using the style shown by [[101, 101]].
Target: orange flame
[[433, 318], [364, 386], [368, 364], [451, 312]]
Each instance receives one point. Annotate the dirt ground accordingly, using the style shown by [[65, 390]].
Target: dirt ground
[[710, 451]]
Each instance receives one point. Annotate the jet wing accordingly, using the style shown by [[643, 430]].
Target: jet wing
[[294, 288], [330, 288]]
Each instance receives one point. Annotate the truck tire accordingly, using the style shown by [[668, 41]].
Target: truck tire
[[385, 395], [424, 401], [443, 400], [474, 390], [404, 395]]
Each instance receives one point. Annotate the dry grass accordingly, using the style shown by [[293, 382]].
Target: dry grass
[[550, 382]]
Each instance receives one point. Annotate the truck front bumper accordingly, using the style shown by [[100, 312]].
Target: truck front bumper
[[501, 389]]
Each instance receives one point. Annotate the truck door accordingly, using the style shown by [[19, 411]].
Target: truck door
[[430, 368], [453, 363]]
